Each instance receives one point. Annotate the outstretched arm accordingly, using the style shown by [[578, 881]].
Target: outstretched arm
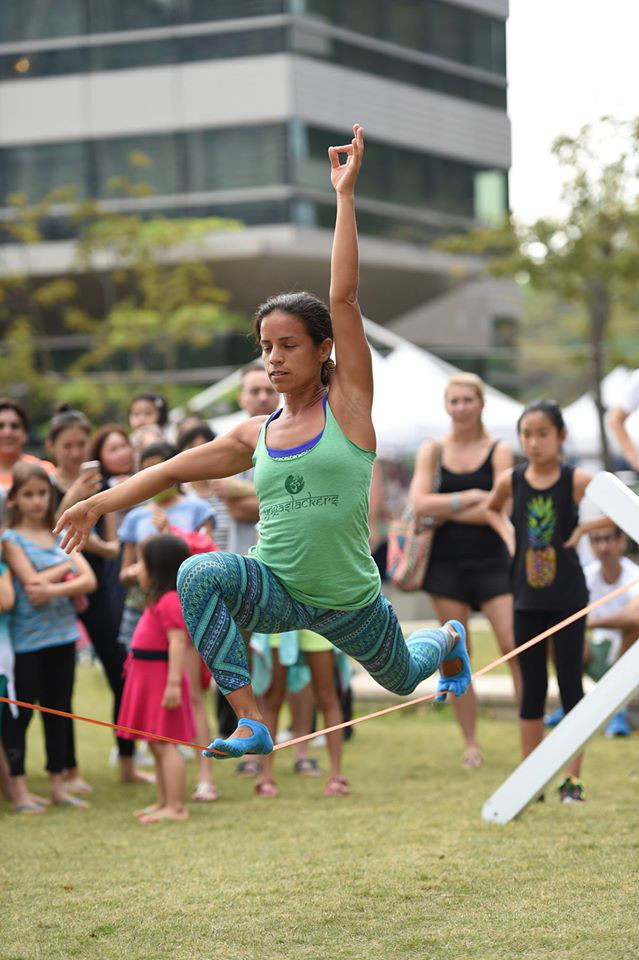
[[223, 457], [354, 369]]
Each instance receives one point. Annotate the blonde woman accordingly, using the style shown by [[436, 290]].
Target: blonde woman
[[469, 568]]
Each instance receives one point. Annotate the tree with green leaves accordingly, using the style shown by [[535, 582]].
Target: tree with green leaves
[[139, 294], [589, 258]]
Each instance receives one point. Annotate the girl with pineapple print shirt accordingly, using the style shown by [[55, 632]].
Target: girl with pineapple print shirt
[[547, 579]]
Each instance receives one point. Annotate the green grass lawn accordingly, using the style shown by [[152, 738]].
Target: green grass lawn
[[404, 867]]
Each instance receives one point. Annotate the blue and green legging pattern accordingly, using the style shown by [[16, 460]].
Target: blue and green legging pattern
[[221, 592]]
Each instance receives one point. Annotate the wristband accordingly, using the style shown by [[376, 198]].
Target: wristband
[[455, 501]]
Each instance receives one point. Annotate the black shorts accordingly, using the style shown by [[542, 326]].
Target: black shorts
[[473, 582]]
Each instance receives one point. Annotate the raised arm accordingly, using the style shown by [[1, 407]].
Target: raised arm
[[222, 457], [353, 378]]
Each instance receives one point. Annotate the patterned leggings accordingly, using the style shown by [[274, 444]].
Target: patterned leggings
[[220, 592]]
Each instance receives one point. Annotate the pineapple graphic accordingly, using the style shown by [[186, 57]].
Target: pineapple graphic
[[541, 559]]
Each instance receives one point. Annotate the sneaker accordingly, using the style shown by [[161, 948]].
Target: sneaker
[[571, 790], [554, 718], [618, 725]]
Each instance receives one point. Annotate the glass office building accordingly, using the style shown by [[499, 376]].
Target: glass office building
[[226, 107]]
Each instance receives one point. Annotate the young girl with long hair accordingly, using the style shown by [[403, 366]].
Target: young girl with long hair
[[548, 581], [157, 695], [43, 630], [75, 478], [311, 568], [168, 512]]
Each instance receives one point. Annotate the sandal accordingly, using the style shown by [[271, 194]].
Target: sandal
[[266, 788], [248, 768], [307, 767], [205, 793], [337, 787], [29, 806]]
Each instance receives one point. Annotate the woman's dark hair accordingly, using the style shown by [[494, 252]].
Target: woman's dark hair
[[8, 403], [550, 409], [163, 556], [313, 313], [64, 418], [159, 448], [99, 439], [158, 401], [186, 439], [22, 473]]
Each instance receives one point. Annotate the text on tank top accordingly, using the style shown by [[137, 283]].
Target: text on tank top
[[467, 541], [313, 530], [546, 575]]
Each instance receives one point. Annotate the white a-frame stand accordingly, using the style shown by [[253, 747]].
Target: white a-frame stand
[[615, 688]]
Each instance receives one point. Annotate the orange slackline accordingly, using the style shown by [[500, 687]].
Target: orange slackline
[[348, 723]]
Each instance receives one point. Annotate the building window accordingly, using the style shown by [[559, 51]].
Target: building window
[[34, 19], [432, 26], [396, 175], [311, 43], [116, 15], [35, 170], [153, 161], [227, 159], [205, 10]]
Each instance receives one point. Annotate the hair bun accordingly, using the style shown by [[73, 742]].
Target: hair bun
[[62, 408]]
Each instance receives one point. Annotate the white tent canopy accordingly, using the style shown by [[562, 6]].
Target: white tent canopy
[[582, 422], [409, 403]]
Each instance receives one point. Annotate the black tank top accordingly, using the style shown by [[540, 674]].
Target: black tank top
[[467, 541], [546, 576]]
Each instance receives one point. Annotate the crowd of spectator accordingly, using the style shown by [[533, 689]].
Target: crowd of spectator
[[505, 543]]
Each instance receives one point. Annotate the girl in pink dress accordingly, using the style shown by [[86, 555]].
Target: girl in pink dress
[[156, 694]]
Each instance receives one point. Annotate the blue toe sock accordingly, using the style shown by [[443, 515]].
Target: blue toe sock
[[259, 742], [458, 682]]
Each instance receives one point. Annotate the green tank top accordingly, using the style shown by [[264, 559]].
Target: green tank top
[[314, 520]]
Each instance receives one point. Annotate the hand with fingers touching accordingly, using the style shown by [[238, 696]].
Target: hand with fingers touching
[[77, 523], [344, 175]]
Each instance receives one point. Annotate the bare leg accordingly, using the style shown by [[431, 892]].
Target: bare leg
[[301, 705], [206, 786], [129, 773], [5, 780], [171, 771], [271, 704], [532, 733], [499, 612], [323, 681], [465, 707], [159, 785]]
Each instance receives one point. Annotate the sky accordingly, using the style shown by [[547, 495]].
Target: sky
[[569, 63]]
